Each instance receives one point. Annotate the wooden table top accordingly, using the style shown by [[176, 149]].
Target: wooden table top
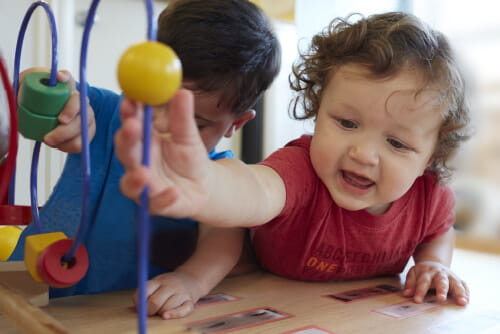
[[304, 301]]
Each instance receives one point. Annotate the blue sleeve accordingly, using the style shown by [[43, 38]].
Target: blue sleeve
[[62, 210], [102, 101], [214, 155]]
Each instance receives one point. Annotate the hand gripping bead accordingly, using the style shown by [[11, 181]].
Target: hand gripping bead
[[40, 105]]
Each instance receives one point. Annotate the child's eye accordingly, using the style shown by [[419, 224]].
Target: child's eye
[[396, 144], [348, 124], [200, 127]]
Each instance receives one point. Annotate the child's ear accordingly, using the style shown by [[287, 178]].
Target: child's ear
[[239, 122]]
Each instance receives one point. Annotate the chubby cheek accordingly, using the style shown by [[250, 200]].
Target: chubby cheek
[[325, 165], [397, 182], [318, 158]]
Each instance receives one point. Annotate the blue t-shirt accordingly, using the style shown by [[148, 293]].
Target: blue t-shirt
[[111, 236]]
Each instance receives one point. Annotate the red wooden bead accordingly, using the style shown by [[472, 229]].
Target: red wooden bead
[[35, 244], [53, 271]]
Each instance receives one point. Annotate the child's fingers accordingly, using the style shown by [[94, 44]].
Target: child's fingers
[[74, 145], [160, 120], [67, 137], [181, 122], [460, 292], [71, 109], [158, 299], [162, 199], [423, 285], [151, 287], [409, 288], [65, 76], [155, 297], [176, 299], [177, 312], [63, 133], [441, 284], [91, 124], [130, 109], [133, 182], [59, 137], [128, 143]]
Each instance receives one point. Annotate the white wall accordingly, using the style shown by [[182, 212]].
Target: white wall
[[279, 127], [312, 16], [119, 24]]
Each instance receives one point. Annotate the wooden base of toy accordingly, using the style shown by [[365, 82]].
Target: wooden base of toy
[[15, 275], [20, 298]]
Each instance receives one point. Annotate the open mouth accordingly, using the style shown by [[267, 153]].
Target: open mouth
[[357, 180]]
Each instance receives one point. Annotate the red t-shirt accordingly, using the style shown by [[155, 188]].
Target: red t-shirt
[[314, 239]]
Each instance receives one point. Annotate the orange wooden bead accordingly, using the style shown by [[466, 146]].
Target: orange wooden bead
[[58, 274], [34, 246]]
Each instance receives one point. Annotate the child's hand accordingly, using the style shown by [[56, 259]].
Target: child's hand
[[430, 274], [178, 173], [171, 295], [67, 135]]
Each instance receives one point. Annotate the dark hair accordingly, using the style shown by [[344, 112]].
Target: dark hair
[[224, 45], [386, 44]]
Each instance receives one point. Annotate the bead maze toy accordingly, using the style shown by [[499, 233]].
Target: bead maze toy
[[53, 258], [18, 306], [42, 99]]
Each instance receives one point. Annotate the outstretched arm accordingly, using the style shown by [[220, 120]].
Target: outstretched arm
[[432, 270], [184, 182]]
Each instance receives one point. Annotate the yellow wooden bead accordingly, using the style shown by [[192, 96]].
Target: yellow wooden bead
[[36, 244], [149, 72], [9, 235]]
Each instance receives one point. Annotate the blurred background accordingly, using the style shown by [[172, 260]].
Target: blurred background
[[472, 26]]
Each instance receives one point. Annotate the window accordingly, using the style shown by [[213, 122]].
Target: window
[[474, 30]]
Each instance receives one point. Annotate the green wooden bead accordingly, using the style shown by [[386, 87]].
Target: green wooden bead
[[35, 126], [40, 105]]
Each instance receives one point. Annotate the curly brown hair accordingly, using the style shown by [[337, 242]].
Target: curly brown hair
[[386, 44]]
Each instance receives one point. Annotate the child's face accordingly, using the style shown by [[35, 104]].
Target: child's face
[[214, 121], [373, 137]]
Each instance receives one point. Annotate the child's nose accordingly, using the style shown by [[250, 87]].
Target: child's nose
[[364, 152]]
